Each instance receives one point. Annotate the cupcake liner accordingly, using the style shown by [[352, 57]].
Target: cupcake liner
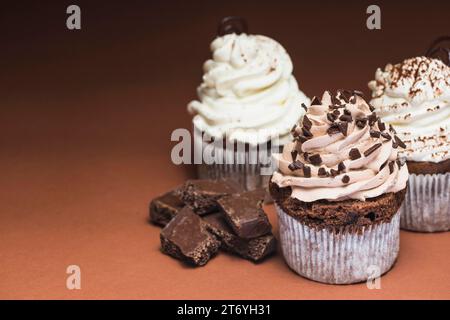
[[427, 203], [250, 176], [338, 257]]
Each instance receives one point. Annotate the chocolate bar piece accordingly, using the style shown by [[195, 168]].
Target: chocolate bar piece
[[244, 213], [254, 249], [187, 238], [164, 208], [202, 195]]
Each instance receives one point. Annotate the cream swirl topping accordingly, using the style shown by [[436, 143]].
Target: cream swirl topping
[[341, 150], [414, 96], [248, 92]]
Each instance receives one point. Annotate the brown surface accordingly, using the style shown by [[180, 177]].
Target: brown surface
[[85, 142], [428, 167], [354, 215]]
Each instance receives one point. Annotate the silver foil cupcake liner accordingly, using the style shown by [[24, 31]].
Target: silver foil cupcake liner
[[427, 203], [338, 258], [242, 170]]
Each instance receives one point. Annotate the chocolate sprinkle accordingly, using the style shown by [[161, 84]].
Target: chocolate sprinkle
[[369, 151], [386, 135], [399, 142], [354, 154], [383, 165], [334, 128], [391, 129], [304, 107], [346, 179], [374, 133], [372, 119], [381, 125], [391, 167], [307, 172], [315, 159]]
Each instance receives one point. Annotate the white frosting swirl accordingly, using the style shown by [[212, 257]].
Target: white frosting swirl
[[414, 96], [248, 92]]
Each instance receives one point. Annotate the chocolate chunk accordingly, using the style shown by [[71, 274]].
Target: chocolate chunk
[[186, 238], [331, 117], [345, 179], [346, 118], [361, 123], [202, 195], [341, 165], [354, 154], [295, 165], [386, 135], [333, 129], [334, 172], [294, 154], [232, 24], [254, 249], [374, 133], [322, 172], [164, 208], [343, 127], [315, 159], [303, 139], [399, 142], [244, 213], [369, 151], [306, 122], [306, 172], [304, 107], [307, 133], [391, 167], [315, 102], [381, 125]]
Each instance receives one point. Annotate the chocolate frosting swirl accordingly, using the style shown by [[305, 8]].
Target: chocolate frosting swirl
[[341, 150]]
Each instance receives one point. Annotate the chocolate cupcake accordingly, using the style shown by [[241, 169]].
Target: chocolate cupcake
[[414, 97], [338, 190], [248, 102]]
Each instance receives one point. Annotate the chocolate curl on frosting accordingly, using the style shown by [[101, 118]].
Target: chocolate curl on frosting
[[439, 50], [232, 24]]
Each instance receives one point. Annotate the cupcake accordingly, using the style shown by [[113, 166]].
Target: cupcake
[[247, 104], [414, 97], [337, 192]]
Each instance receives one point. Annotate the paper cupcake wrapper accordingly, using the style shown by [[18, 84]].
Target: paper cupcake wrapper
[[338, 258], [242, 171], [427, 203]]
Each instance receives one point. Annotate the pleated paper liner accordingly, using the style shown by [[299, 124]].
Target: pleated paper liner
[[427, 203], [342, 257]]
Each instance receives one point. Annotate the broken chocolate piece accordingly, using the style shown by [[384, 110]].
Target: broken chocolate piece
[[254, 249], [333, 129], [244, 213], [345, 179], [315, 159], [341, 166], [322, 172], [306, 122], [334, 172], [297, 164], [164, 208], [202, 195], [331, 117], [294, 154], [307, 133], [343, 127], [354, 154], [306, 172], [186, 238], [372, 149], [361, 123]]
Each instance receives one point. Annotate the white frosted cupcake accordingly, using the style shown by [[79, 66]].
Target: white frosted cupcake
[[414, 97], [248, 102]]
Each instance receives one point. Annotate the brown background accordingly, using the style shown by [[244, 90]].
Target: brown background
[[86, 118]]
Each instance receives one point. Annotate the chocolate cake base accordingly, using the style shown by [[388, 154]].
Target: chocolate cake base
[[428, 167], [333, 215]]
